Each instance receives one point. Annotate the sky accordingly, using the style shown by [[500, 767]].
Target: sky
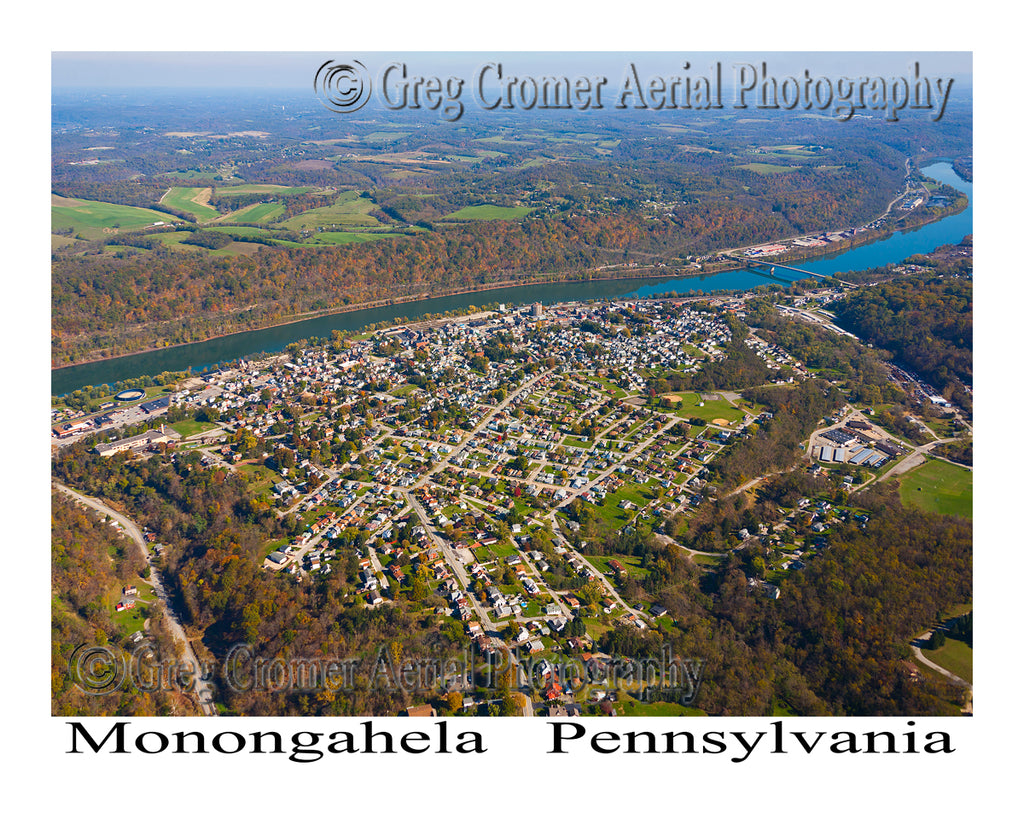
[[278, 69]]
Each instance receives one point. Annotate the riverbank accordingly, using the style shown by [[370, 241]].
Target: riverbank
[[863, 251], [604, 273]]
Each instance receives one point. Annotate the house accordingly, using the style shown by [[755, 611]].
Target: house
[[420, 711], [553, 691]]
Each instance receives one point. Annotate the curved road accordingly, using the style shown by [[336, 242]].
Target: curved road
[[203, 690], [915, 646]]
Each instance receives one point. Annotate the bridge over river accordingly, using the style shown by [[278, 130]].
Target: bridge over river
[[755, 263]]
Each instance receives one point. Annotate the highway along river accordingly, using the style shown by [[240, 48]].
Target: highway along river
[[274, 339]]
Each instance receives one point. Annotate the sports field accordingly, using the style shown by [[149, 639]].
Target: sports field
[[938, 486], [714, 411]]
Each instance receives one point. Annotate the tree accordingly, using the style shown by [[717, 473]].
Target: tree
[[512, 704]]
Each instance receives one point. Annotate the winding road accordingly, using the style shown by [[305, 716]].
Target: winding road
[[202, 690]]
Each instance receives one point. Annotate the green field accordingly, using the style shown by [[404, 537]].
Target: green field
[[487, 213], [766, 168], [955, 656], [937, 486], [385, 136], [498, 140], [278, 190], [188, 428], [263, 212], [190, 175], [94, 219], [242, 230], [348, 211], [334, 237], [174, 240], [181, 199]]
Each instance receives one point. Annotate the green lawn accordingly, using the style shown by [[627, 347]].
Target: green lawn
[[937, 486], [130, 620], [630, 562], [579, 443], [955, 656], [487, 213], [628, 707], [181, 199], [260, 478]]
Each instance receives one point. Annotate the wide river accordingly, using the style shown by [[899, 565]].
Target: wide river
[[274, 339]]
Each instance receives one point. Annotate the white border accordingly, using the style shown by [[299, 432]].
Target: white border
[[514, 777]]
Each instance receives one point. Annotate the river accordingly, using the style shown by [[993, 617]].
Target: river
[[274, 339]]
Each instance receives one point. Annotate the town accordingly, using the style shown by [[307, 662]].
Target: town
[[460, 460]]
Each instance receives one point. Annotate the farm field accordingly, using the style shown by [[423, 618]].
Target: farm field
[[766, 168], [265, 212], [243, 230], [938, 486], [329, 237], [174, 240], [278, 190], [261, 212], [185, 199], [93, 220], [348, 211], [487, 213]]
